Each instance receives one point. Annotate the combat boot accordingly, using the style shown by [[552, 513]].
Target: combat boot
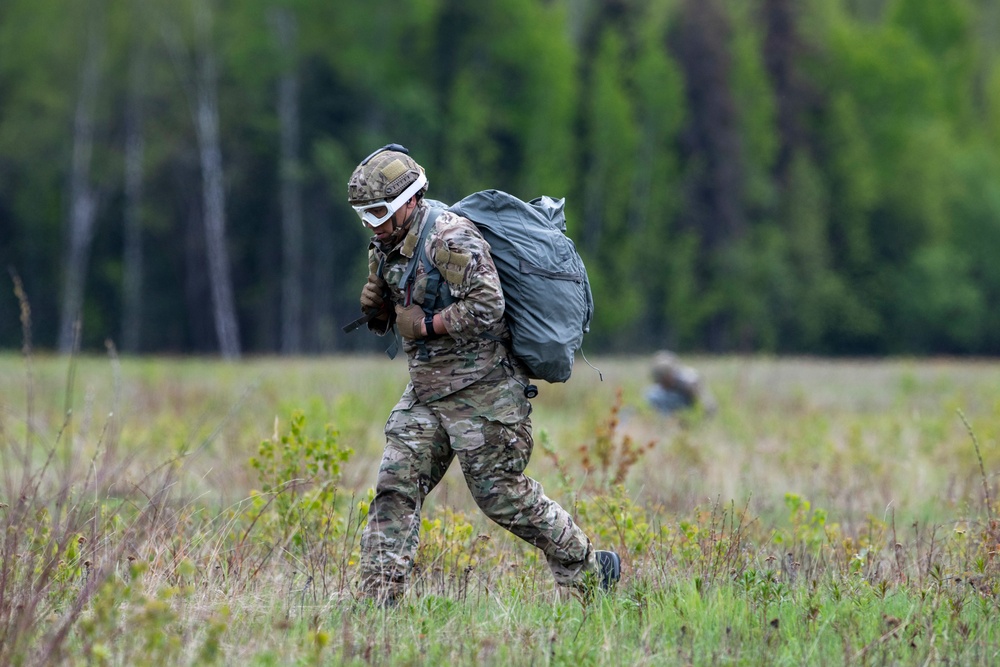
[[609, 568]]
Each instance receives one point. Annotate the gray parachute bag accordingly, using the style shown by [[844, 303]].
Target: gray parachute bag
[[544, 281]]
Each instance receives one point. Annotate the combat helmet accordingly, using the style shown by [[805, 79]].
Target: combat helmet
[[384, 182]]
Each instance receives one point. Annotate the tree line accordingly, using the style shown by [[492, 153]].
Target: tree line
[[789, 176]]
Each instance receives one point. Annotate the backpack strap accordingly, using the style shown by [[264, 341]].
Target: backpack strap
[[433, 275], [420, 255]]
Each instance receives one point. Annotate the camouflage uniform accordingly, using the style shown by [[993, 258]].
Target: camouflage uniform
[[464, 399]]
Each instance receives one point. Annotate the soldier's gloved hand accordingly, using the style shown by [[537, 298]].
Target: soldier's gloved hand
[[371, 296], [410, 320]]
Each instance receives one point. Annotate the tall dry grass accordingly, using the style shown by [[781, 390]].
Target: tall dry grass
[[829, 509]]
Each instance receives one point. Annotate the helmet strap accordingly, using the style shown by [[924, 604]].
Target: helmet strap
[[400, 229]]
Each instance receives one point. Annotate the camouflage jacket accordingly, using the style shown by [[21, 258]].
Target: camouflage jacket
[[457, 249]]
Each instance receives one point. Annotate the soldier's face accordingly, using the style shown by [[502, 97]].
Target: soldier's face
[[385, 230], [391, 228]]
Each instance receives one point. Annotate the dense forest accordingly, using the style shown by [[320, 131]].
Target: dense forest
[[788, 176]]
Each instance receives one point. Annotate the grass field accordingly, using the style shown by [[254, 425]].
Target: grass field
[[189, 511]]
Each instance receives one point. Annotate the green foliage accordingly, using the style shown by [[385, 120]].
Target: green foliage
[[939, 286], [180, 563], [612, 143], [755, 96], [298, 476], [940, 26], [767, 176], [615, 521], [808, 525]]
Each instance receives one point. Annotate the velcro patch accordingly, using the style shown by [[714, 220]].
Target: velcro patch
[[452, 264], [393, 170]]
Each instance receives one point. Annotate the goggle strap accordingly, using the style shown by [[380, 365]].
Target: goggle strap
[[394, 205]]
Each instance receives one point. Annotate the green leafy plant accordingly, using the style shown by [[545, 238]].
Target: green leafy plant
[[298, 507]]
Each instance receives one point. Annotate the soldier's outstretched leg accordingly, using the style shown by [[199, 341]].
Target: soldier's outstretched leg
[[416, 457], [490, 432], [495, 475]]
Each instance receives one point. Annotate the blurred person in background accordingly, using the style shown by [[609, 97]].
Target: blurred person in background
[[677, 387]]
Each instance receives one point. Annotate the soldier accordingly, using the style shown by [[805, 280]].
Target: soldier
[[677, 387], [465, 397]]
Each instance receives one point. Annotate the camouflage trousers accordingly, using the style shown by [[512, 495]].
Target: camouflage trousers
[[487, 427]]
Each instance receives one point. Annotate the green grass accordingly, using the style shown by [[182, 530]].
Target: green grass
[[172, 511]]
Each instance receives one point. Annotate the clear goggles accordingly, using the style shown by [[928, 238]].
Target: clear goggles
[[374, 214]]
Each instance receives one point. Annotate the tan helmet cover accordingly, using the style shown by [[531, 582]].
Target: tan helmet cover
[[382, 178]]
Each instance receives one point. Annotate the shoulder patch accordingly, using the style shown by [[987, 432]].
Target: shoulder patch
[[452, 263]]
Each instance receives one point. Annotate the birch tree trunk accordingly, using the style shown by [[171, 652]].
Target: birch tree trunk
[[83, 199], [290, 169], [133, 256], [206, 120]]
